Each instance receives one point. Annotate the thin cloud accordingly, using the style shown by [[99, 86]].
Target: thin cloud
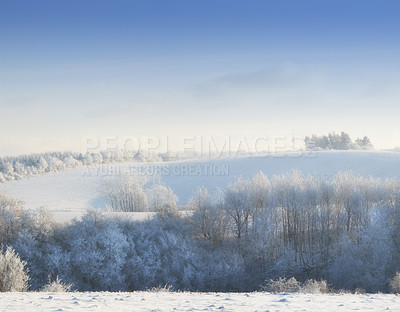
[[284, 77]]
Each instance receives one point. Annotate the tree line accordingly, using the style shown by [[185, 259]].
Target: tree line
[[20, 167], [334, 141], [343, 229]]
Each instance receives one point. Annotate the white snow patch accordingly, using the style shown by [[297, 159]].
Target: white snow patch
[[170, 301]]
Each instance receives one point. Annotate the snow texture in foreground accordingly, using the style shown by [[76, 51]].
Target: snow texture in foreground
[[165, 301], [69, 194]]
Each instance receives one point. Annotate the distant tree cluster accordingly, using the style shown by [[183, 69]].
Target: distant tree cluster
[[19, 167], [282, 233], [335, 141], [132, 193]]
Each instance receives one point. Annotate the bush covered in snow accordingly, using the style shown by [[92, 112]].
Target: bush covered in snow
[[13, 275], [281, 285], [56, 286], [311, 286]]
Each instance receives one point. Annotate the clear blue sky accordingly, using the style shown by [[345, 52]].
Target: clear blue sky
[[70, 69]]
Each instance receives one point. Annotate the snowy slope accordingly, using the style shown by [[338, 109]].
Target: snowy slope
[[165, 301], [69, 194]]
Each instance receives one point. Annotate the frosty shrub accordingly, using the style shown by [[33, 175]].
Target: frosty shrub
[[165, 288], [56, 286], [314, 287], [292, 285], [282, 285], [395, 283], [13, 276], [359, 291]]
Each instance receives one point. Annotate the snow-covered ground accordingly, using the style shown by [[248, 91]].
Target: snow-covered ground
[[165, 301], [68, 194]]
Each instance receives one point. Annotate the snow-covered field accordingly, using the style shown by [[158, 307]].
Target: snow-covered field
[[68, 194], [165, 301]]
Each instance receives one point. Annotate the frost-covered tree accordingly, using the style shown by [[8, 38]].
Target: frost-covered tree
[[13, 218], [162, 200], [169, 209], [97, 254], [13, 275], [2, 178], [364, 143], [345, 141], [238, 206], [208, 218], [126, 193], [395, 283], [337, 142]]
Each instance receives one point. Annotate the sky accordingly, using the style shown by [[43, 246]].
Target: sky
[[72, 70]]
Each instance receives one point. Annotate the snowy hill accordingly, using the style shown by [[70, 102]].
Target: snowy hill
[[68, 194]]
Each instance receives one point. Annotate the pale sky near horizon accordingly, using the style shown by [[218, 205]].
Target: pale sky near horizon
[[73, 69]]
